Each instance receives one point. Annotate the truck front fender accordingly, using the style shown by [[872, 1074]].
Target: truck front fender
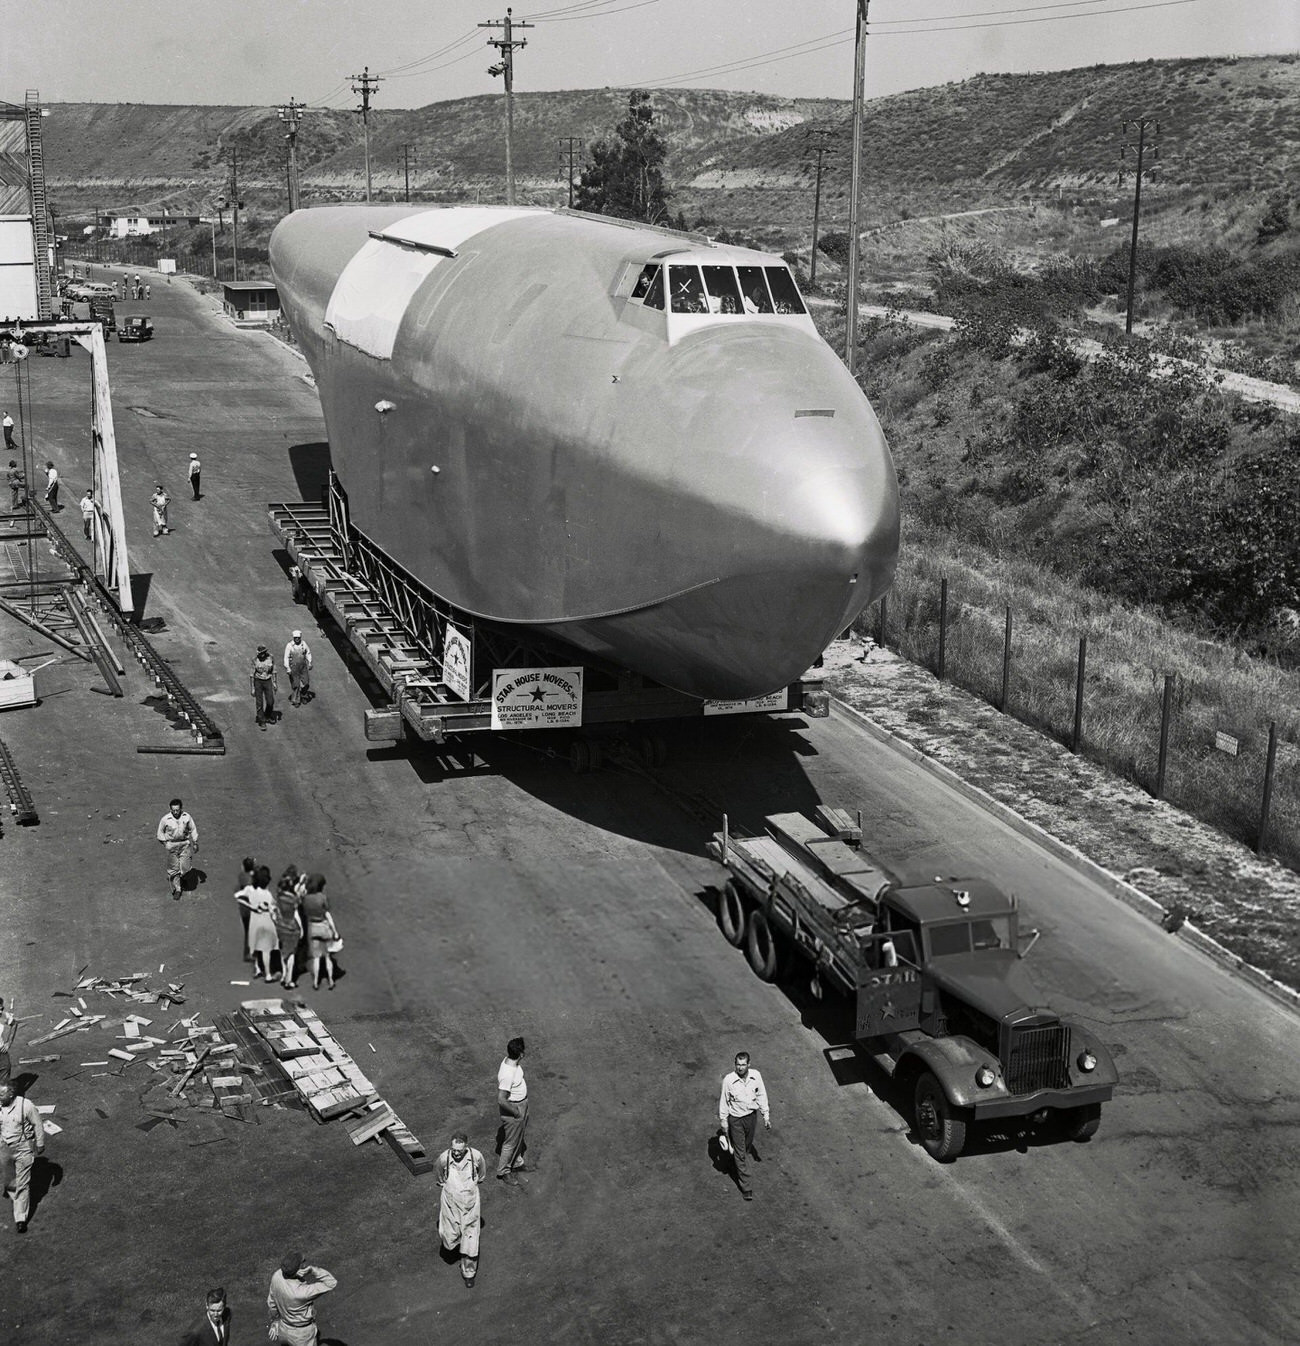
[[1081, 1040], [953, 1062]]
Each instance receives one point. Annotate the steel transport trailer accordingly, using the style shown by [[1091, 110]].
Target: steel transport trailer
[[448, 674]]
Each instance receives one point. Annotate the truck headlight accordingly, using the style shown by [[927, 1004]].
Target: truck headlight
[[1087, 1062], [985, 1076]]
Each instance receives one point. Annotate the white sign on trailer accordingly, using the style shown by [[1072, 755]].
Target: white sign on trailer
[[536, 698], [772, 701], [455, 663]]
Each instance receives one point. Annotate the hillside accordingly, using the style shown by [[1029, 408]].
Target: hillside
[[1228, 126]]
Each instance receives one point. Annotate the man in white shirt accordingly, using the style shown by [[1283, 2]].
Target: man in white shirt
[[87, 514], [297, 664], [9, 432], [52, 487], [743, 1098], [179, 834], [8, 1027], [512, 1099], [22, 1138], [196, 471]]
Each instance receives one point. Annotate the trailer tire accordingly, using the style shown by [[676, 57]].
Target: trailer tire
[[1082, 1123], [940, 1127], [761, 947], [731, 914], [580, 756]]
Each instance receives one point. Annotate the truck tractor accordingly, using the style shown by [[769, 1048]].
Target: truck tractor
[[934, 971]]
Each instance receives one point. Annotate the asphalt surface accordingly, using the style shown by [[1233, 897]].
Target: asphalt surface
[[512, 897]]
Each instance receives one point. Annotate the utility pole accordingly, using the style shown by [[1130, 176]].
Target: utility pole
[[569, 146], [235, 204], [820, 145], [367, 85], [291, 114], [1142, 125], [855, 190], [408, 154], [506, 45]]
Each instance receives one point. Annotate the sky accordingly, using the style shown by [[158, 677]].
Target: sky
[[263, 52]]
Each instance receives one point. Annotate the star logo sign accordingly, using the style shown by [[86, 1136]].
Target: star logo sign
[[888, 1010], [539, 693]]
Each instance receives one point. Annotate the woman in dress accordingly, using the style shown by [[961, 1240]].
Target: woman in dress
[[321, 931], [288, 929], [262, 936]]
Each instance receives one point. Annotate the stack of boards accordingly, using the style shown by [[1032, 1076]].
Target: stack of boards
[[328, 1080]]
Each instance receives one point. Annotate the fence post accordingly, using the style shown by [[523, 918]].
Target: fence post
[[881, 619], [1077, 737], [1165, 710], [1269, 764], [1006, 664], [943, 626]]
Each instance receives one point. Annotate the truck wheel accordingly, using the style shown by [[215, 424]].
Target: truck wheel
[[580, 756], [1082, 1123], [940, 1126], [761, 947], [731, 914]]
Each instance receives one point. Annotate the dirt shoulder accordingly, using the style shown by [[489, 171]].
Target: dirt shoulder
[[1249, 904]]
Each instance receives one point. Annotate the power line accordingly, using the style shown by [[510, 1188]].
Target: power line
[[506, 45], [639, 4], [429, 70], [1047, 18], [432, 55]]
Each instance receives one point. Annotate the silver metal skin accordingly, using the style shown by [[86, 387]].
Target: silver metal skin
[[706, 499]]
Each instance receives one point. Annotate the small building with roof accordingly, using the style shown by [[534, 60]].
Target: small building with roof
[[251, 300]]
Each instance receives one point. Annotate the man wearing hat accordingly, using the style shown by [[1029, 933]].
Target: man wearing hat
[[297, 664], [262, 686], [195, 468]]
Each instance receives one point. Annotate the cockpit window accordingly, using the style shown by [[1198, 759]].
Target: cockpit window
[[686, 289], [785, 294], [724, 295], [649, 274], [654, 295], [754, 289]]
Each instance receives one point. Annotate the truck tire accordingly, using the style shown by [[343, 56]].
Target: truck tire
[[940, 1127], [761, 947], [731, 914], [1082, 1123]]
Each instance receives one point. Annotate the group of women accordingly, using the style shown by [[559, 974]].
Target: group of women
[[282, 921]]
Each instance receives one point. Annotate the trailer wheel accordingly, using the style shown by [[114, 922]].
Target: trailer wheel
[[580, 756], [940, 1126], [761, 947], [1082, 1123], [653, 749], [731, 914]]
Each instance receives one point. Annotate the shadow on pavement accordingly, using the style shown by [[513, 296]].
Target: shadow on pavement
[[140, 584]]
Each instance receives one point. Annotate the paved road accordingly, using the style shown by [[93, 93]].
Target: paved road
[[516, 898]]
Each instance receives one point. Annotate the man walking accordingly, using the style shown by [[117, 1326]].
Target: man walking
[[512, 1099], [460, 1170], [9, 433], [178, 833], [22, 1138], [743, 1098], [160, 500], [213, 1329], [52, 487], [17, 486], [297, 664], [87, 514], [261, 682], [8, 1027], [195, 468], [291, 1301]]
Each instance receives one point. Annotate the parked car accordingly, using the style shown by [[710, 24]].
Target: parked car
[[135, 328]]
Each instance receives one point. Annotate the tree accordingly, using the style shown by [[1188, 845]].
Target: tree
[[625, 175]]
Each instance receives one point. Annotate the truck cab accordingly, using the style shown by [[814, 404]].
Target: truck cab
[[950, 1009]]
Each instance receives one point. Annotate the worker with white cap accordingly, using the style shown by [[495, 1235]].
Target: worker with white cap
[[195, 469], [297, 664]]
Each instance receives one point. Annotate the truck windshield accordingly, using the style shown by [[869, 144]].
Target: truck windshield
[[992, 932]]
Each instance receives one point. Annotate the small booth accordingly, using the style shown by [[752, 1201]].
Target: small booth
[[251, 300]]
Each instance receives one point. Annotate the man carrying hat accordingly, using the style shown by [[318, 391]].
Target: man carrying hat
[[262, 685], [195, 468], [297, 664]]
